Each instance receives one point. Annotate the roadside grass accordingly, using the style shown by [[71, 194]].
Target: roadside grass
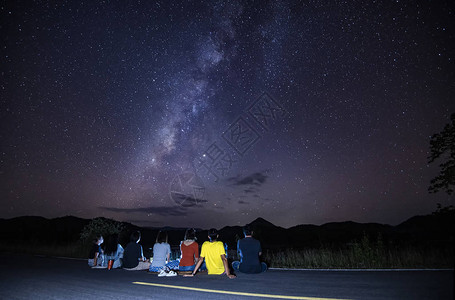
[[361, 255], [349, 259], [74, 250]]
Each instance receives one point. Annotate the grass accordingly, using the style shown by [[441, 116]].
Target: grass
[[348, 259], [76, 250], [361, 255]]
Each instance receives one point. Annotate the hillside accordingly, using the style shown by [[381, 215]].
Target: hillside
[[435, 229]]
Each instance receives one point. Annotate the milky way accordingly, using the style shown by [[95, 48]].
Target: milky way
[[209, 114]]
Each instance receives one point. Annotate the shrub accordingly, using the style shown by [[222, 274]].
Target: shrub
[[363, 254], [100, 226]]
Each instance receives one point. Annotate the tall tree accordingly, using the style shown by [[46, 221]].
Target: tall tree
[[443, 145]]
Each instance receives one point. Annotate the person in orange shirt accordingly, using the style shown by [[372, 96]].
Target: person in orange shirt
[[190, 251], [214, 254]]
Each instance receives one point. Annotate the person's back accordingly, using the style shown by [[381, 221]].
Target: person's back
[[117, 257], [189, 250], [249, 249], [120, 251], [162, 257], [161, 252], [131, 255], [113, 251], [212, 252], [95, 257], [94, 251]]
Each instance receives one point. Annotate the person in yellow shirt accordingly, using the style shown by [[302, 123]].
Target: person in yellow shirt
[[215, 257]]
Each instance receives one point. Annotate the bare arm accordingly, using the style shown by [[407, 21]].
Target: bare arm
[[226, 267], [95, 259], [142, 258], [198, 265]]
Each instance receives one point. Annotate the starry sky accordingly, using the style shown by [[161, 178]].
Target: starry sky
[[206, 114]]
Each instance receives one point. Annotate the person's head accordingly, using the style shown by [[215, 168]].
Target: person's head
[[247, 230], [111, 243], [161, 237], [135, 237], [190, 234], [213, 234], [98, 239]]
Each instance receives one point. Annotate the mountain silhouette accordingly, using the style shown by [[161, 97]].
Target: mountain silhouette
[[260, 222], [429, 230]]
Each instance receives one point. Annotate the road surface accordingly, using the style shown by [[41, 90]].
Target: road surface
[[32, 277]]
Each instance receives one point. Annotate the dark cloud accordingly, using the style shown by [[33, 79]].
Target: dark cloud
[[141, 221], [144, 222], [243, 202], [164, 211], [187, 201], [256, 179]]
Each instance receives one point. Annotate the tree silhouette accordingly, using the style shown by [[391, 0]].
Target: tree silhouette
[[443, 144], [100, 226]]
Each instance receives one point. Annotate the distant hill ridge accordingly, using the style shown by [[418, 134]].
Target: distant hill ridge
[[434, 228]]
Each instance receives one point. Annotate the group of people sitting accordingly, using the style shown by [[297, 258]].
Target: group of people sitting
[[211, 258], [112, 251]]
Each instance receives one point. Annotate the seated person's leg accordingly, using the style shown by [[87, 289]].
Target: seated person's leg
[[186, 268], [264, 267], [173, 265], [90, 262], [235, 265], [155, 268], [143, 265], [104, 260], [117, 264]]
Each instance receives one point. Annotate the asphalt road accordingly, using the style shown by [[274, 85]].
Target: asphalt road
[[31, 277]]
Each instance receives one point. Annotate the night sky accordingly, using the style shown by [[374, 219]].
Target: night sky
[[215, 113]]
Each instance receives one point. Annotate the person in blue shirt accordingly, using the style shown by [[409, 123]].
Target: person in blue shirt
[[249, 250]]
